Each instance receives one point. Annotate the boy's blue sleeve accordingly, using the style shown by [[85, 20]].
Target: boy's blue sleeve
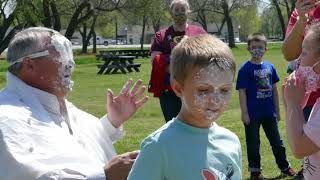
[[275, 77], [149, 163], [242, 80]]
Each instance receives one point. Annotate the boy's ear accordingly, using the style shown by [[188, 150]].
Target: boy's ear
[[176, 87], [266, 49]]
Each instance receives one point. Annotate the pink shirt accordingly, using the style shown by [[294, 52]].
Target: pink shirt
[[166, 39], [314, 17], [311, 167]]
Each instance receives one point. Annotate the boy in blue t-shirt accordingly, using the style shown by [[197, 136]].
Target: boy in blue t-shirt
[[192, 146], [259, 104]]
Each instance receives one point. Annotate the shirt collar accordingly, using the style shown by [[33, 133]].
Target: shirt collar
[[48, 101]]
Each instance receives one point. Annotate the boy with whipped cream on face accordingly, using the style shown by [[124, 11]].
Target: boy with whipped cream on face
[[304, 136], [192, 146], [259, 104]]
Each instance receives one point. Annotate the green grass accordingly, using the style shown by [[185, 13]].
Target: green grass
[[89, 95]]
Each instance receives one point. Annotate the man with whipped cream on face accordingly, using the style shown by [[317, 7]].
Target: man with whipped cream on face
[[42, 135]]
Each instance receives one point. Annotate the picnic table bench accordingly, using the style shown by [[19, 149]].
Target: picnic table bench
[[114, 63], [125, 52]]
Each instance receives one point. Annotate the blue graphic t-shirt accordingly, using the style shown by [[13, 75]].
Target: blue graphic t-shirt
[[178, 151], [258, 80]]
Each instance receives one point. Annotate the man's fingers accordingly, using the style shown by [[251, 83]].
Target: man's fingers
[[135, 88], [134, 154], [125, 89], [142, 102], [109, 97], [139, 93]]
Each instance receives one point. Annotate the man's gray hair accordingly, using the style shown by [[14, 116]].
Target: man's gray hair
[[183, 2], [27, 42]]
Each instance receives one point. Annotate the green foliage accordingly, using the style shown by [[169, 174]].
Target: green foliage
[[247, 25], [270, 23]]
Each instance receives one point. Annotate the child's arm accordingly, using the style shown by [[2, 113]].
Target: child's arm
[[292, 44], [149, 164], [300, 143], [243, 105], [276, 100]]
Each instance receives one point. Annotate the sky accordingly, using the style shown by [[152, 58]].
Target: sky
[[262, 4]]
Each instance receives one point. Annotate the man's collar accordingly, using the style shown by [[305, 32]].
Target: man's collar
[[48, 101]]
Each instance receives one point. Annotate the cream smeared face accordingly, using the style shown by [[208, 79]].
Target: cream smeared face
[[64, 57], [55, 68], [207, 92]]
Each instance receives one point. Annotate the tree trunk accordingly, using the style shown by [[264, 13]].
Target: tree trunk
[[55, 16], [226, 11], [76, 19], [6, 23], [222, 25], [46, 12], [84, 39], [51, 15], [4, 42], [92, 33], [144, 21], [203, 20], [293, 6], [287, 8], [156, 24], [94, 36], [281, 20]]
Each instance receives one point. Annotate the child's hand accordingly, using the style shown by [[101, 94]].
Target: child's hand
[[293, 94], [245, 118], [305, 6]]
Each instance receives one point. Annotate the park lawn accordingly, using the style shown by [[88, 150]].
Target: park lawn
[[89, 94]]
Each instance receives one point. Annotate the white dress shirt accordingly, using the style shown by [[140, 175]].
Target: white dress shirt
[[38, 142]]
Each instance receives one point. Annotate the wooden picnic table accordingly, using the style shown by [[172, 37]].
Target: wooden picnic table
[[126, 52], [114, 63]]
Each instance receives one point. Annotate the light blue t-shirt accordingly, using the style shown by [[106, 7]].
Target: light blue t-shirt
[[178, 151]]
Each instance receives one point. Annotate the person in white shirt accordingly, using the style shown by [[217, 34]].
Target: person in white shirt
[[42, 135]]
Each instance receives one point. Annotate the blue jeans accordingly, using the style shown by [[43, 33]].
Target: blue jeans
[[170, 105], [270, 127]]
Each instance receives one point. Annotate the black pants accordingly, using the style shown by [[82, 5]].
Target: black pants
[[170, 105], [270, 127]]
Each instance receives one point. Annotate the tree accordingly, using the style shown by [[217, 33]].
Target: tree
[[87, 12], [147, 12], [202, 8], [280, 7], [270, 25], [247, 25], [276, 4], [51, 15], [14, 16]]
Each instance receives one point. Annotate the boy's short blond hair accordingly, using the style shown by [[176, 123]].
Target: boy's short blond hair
[[200, 51], [258, 37]]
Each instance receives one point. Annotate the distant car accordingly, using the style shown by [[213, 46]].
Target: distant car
[[117, 42], [100, 41], [75, 40]]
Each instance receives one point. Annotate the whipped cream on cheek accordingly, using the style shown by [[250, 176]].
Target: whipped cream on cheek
[[211, 102], [64, 47]]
